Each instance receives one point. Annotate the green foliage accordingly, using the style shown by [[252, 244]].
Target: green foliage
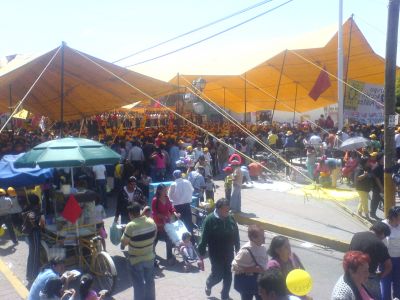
[[397, 92]]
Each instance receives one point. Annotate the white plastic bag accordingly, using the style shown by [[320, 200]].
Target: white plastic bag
[[175, 230]]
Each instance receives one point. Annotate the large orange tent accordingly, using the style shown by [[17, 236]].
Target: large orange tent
[[88, 87], [290, 75]]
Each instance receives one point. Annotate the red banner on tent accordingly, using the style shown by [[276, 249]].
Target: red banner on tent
[[321, 85]]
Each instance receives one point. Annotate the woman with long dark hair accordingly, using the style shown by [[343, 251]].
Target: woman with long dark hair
[[86, 289], [162, 211], [31, 226], [282, 256]]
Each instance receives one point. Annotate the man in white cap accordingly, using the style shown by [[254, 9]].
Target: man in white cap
[[180, 193]]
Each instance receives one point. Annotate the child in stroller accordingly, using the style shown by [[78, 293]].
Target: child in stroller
[[189, 253]]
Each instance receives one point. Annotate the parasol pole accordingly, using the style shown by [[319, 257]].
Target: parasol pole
[[76, 224], [279, 83], [62, 90]]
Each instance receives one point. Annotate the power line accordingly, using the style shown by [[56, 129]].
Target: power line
[[196, 29], [209, 37]]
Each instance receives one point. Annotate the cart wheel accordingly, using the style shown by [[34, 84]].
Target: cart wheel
[[105, 271]]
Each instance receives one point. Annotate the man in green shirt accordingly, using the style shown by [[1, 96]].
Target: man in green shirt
[[221, 235], [139, 235]]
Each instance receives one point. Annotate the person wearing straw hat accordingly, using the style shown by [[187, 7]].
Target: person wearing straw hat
[[375, 144]]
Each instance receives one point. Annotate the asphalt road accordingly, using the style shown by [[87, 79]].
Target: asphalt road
[[323, 264], [277, 204]]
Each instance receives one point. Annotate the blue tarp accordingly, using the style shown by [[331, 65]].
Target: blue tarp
[[10, 176]]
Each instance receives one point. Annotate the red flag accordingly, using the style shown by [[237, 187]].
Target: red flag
[[72, 210], [321, 85]]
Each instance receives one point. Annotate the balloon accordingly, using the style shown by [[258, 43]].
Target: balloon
[[299, 282]]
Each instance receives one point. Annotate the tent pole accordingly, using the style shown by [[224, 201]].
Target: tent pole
[[80, 130], [178, 105], [279, 83], [295, 102], [340, 67], [224, 106], [62, 91], [245, 99], [10, 104], [224, 100]]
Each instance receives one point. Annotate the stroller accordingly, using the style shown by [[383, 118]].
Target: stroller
[[180, 237], [189, 254]]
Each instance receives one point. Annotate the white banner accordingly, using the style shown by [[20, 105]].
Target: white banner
[[360, 108]]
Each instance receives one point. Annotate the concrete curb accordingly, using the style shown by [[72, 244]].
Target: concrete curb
[[329, 242]]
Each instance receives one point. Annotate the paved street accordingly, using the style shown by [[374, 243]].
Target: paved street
[[282, 207]]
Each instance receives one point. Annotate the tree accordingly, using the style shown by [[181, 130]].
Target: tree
[[398, 92]]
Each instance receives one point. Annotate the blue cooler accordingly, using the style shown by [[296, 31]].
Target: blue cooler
[[153, 188]]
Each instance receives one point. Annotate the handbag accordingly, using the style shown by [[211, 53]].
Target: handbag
[[175, 230], [247, 282]]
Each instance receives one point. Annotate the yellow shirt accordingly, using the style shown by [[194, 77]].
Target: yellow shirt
[[272, 138]]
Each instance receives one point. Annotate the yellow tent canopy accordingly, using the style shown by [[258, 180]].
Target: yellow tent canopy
[[88, 88], [294, 73]]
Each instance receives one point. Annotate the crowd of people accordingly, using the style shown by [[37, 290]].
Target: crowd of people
[[189, 158]]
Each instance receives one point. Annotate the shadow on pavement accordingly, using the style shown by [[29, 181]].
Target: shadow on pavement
[[248, 215], [10, 249], [330, 226], [123, 281]]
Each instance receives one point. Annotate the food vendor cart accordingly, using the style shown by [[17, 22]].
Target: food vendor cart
[[74, 238], [78, 243]]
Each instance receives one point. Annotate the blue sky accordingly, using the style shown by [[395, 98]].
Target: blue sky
[[111, 30]]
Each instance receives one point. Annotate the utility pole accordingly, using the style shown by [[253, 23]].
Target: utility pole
[[390, 101]]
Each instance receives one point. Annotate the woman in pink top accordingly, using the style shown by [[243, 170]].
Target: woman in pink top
[[160, 162], [162, 211], [86, 289]]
